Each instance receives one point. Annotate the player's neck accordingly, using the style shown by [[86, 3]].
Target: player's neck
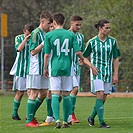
[[59, 27], [102, 37], [41, 28], [73, 30]]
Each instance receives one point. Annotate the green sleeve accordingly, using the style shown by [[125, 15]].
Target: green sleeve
[[116, 51], [47, 46], [83, 44], [18, 41], [87, 50], [75, 44], [33, 41]]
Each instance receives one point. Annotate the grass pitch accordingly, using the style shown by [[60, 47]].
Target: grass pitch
[[118, 115]]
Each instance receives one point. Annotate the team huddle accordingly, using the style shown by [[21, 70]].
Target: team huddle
[[48, 66]]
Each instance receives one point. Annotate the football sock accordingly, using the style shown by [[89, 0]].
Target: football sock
[[55, 106], [70, 106], [66, 107], [38, 102], [100, 110], [30, 107], [49, 108], [94, 112], [16, 106], [73, 99]]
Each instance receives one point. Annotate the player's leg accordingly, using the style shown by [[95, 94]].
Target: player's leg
[[28, 92], [17, 101], [66, 108], [50, 117], [99, 106], [73, 100], [73, 94], [19, 84], [42, 93], [32, 85], [94, 112], [30, 122], [95, 85], [107, 90], [55, 87], [66, 88]]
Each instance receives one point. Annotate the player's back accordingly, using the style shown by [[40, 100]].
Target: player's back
[[61, 42]]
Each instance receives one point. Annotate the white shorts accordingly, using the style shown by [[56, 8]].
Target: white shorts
[[99, 85], [19, 83], [36, 82], [63, 83], [76, 80]]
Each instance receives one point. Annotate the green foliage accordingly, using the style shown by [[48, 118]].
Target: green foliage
[[118, 12]]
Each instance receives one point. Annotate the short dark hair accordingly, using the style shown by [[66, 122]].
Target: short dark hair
[[76, 18], [101, 23], [59, 18], [29, 27], [47, 15]]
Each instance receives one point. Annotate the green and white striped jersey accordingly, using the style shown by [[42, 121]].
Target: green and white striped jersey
[[77, 67], [21, 61], [35, 64], [59, 44], [102, 54]]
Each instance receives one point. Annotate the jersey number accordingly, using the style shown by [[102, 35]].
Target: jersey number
[[63, 48]]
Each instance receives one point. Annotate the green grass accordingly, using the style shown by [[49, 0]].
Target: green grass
[[118, 114]]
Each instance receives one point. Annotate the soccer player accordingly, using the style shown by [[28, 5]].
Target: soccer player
[[75, 25], [19, 67], [36, 82], [58, 45], [103, 51], [49, 119]]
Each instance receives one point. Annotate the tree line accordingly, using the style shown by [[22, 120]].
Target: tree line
[[118, 12]]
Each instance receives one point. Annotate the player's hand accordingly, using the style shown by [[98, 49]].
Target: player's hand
[[46, 73], [94, 70], [115, 78], [28, 36], [80, 62]]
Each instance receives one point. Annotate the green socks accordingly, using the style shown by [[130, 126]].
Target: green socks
[[73, 100], [49, 108], [94, 112], [16, 106], [66, 107], [38, 102], [30, 107], [100, 110], [55, 106]]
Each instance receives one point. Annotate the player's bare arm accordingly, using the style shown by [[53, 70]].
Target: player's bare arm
[[80, 55], [46, 58], [90, 65], [37, 49], [21, 46], [116, 67]]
